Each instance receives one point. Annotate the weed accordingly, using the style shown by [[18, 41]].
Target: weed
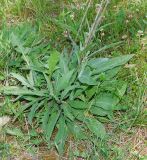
[[62, 90], [75, 90]]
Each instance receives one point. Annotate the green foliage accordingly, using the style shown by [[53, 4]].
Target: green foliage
[[4, 150], [64, 90], [72, 94]]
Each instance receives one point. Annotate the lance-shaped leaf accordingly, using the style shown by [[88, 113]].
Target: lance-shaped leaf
[[96, 127], [33, 110], [78, 104], [77, 130], [68, 112], [61, 136], [86, 77], [18, 91], [23, 80], [106, 64], [100, 111], [64, 81], [51, 124], [107, 101], [67, 90], [52, 62]]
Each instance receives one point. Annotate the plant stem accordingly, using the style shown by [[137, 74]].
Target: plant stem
[[84, 16], [96, 22]]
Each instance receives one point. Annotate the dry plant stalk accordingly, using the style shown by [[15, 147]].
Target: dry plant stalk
[[88, 3], [97, 21]]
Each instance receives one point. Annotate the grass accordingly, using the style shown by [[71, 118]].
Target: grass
[[124, 21]]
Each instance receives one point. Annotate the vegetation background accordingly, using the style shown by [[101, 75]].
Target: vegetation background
[[54, 24]]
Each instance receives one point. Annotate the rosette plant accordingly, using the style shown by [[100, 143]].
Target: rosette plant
[[64, 93], [67, 94]]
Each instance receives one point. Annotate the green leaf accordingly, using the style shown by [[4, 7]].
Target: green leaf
[[23, 80], [32, 112], [78, 104], [50, 87], [76, 130], [2, 77], [31, 78], [143, 157], [120, 107], [33, 133], [79, 91], [96, 62], [45, 117], [110, 85], [96, 127], [106, 101], [86, 78], [34, 108], [91, 91], [15, 41], [111, 73], [64, 26], [68, 112], [15, 132], [13, 90], [63, 64], [100, 111], [64, 81], [51, 124], [61, 136], [67, 90], [107, 64], [122, 89], [52, 62], [78, 114], [25, 107]]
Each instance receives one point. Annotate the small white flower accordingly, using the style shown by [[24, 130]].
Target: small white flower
[[127, 21], [124, 36], [140, 33], [102, 34], [65, 33], [72, 16]]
